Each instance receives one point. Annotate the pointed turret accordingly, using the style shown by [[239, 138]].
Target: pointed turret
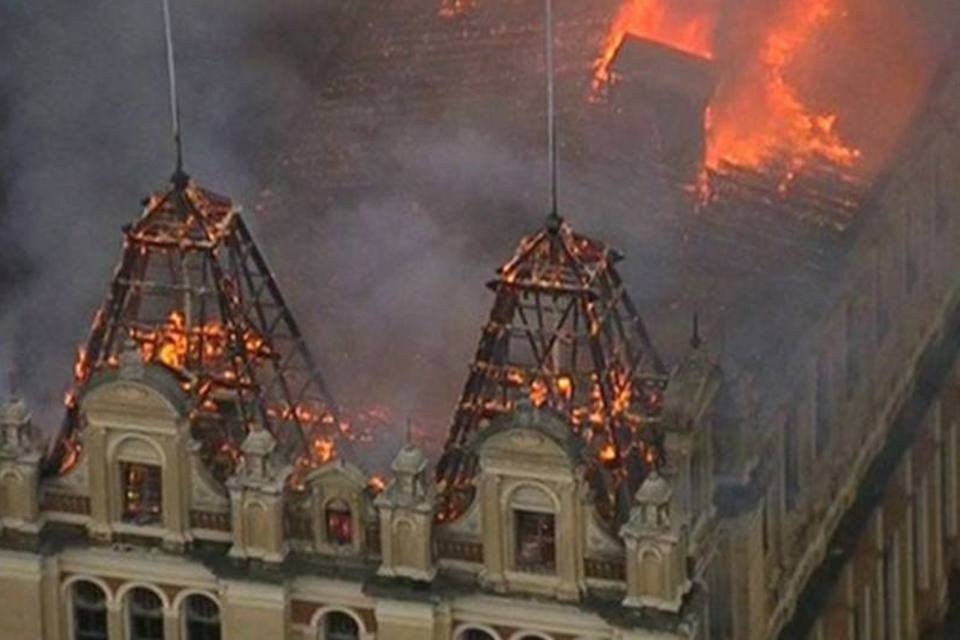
[[406, 509], [192, 293], [564, 334]]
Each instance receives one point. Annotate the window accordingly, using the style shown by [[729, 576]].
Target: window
[[142, 493], [339, 523], [339, 626], [145, 615], [536, 542], [202, 617], [89, 612], [474, 634]]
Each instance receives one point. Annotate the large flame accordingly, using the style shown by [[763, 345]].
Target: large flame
[[758, 117], [761, 117], [689, 30]]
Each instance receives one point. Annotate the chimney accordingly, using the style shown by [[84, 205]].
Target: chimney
[[660, 96]]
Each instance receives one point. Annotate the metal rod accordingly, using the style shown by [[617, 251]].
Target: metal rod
[[174, 103], [551, 114]]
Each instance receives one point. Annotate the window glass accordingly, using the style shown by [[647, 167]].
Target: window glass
[[145, 614], [142, 493], [339, 523], [536, 548], [202, 618], [89, 612], [339, 626]]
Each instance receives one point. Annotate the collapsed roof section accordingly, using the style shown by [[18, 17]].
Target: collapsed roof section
[[193, 294], [564, 335]]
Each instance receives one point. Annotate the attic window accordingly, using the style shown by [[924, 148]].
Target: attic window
[[536, 542], [339, 523], [142, 493]]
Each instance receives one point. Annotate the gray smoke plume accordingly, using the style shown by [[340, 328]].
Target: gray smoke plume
[[382, 220]]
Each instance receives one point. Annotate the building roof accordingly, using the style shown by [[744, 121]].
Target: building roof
[[192, 294]]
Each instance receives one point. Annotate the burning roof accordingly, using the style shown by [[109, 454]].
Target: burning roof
[[193, 294], [564, 335]]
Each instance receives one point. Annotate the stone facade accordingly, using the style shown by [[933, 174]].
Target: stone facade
[[826, 506]]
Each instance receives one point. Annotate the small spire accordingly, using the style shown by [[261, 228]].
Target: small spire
[[180, 178], [408, 437], [695, 340], [553, 218]]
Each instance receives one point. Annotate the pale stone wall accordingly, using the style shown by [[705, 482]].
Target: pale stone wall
[[21, 596]]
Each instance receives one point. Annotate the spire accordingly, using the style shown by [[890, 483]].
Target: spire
[[695, 340], [564, 335], [553, 218], [193, 295], [179, 178]]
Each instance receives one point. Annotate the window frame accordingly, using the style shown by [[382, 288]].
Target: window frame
[[186, 620], [153, 485], [150, 615], [103, 610], [520, 514]]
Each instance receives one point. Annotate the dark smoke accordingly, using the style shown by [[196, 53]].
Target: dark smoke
[[383, 220]]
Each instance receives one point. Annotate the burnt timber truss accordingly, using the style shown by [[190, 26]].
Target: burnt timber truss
[[563, 334], [193, 293]]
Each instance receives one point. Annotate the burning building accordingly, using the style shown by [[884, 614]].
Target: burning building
[[745, 430], [193, 293]]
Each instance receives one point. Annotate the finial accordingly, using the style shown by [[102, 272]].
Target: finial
[[408, 441], [695, 340], [179, 178], [553, 219]]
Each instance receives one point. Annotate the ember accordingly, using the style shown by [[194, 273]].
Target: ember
[[193, 293], [564, 334]]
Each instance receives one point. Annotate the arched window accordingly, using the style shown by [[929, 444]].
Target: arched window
[[339, 626], [475, 634], [202, 616], [89, 612], [339, 523], [145, 615], [142, 493], [536, 538]]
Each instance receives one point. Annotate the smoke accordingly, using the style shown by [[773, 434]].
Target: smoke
[[85, 135], [385, 174]]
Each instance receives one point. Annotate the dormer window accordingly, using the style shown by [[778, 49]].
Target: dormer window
[[535, 542], [339, 523], [142, 493]]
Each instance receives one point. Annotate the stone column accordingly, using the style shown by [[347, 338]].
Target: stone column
[[494, 555], [253, 611], [406, 620]]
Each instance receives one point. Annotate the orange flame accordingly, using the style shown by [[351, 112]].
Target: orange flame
[[454, 8], [757, 119], [71, 457], [608, 453], [539, 393], [377, 484], [762, 118], [324, 449], [660, 21]]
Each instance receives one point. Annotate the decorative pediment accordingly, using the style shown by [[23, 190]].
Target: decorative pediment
[[529, 436], [137, 402], [337, 473]]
